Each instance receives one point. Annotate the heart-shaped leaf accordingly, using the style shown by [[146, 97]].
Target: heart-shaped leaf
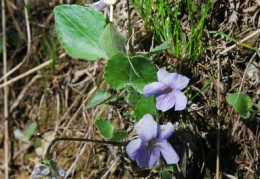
[[119, 72], [145, 106], [243, 103]]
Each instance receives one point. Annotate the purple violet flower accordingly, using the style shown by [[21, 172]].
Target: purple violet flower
[[168, 90], [99, 5], [47, 169], [153, 141]]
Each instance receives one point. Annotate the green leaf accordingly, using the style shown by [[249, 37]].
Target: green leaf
[[37, 142], [243, 103], [158, 49], [99, 98], [119, 135], [112, 41], [165, 175], [145, 106], [132, 97], [119, 72], [79, 29], [31, 129], [105, 128]]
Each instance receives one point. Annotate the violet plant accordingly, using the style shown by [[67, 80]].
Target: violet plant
[[153, 141], [85, 33]]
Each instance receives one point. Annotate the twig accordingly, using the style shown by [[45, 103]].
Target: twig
[[25, 74], [29, 72], [21, 95], [218, 116], [6, 144], [110, 168]]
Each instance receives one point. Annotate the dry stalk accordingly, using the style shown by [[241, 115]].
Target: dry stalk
[[218, 116], [7, 83], [29, 72], [6, 143]]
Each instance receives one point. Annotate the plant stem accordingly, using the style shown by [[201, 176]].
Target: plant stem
[[129, 27], [111, 13], [82, 140]]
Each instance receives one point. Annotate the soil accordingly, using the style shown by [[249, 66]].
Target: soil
[[55, 98]]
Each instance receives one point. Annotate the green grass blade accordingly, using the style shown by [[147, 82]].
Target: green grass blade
[[203, 87], [230, 38]]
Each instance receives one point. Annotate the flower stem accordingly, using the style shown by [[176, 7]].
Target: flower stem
[[82, 140], [111, 13]]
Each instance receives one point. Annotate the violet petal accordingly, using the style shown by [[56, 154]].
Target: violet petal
[[162, 74], [148, 156], [166, 131], [168, 79], [99, 5], [132, 149], [153, 88], [143, 157], [181, 100], [165, 101], [169, 154], [40, 171], [178, 82], [61, 172], [147, 128], [154, 157]]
